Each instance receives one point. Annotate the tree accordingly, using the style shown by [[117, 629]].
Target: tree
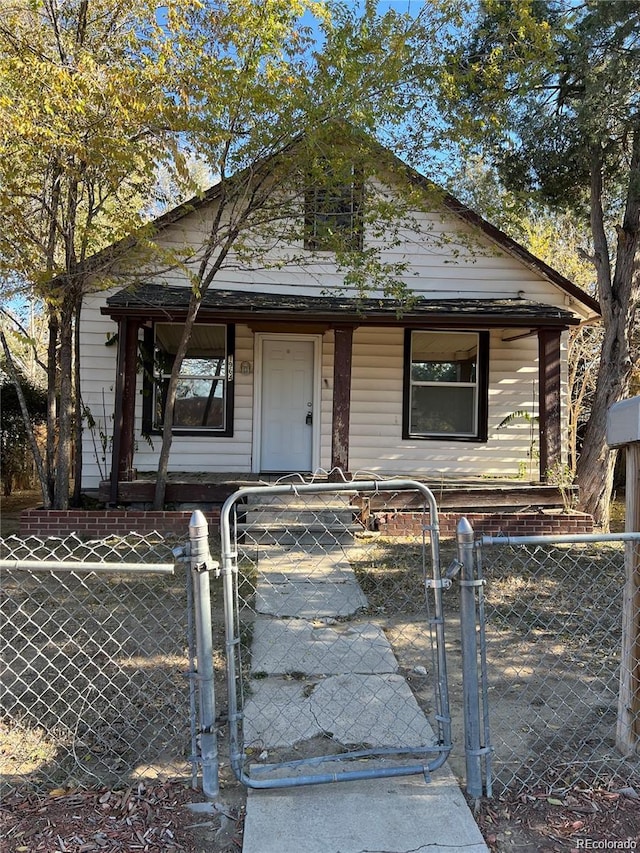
[[84, 121], [280, 96], [549, 91]]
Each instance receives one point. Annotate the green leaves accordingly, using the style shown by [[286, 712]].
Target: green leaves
[[544, 85]]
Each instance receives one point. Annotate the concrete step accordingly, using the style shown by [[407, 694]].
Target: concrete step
[[269, 515], [295, 532]]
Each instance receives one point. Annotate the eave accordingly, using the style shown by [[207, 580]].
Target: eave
[[155, 302]]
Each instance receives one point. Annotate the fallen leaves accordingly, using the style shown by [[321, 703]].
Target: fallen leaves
[[552, 820], [140, 818]]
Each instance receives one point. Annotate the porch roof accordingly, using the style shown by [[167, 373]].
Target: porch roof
[[171, 303]]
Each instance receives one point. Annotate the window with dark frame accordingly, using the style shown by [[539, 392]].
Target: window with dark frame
[[204, 397], [333, 213], [445, 389]]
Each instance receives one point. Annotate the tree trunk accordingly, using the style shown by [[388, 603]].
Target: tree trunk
[[206, 275], [169, 406], [52, 400], [65, 412], [619, 300]]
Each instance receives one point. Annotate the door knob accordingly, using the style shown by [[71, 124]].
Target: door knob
[[309, 419]]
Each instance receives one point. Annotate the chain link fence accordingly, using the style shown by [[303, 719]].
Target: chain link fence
[[336, 645], [95, 652], [553, 652]]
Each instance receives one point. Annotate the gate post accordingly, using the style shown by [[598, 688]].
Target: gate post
[[201, 564], [469, 645], [623, 430]]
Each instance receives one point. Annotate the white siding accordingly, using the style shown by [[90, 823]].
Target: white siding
[[467, 265], [98, 366], [376, 442], [188, 453], [209, 453]]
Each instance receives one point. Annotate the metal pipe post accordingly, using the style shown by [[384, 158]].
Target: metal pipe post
[[201, 565], [470, 688]]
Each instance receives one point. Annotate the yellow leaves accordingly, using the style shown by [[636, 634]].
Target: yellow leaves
[[78, 138], [320, 11]]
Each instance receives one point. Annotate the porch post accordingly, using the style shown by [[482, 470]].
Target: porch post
[[549, 403], [124, 409], [343, 339]]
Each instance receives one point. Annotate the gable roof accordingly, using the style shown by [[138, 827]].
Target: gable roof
[[512, 247], [451, 204]]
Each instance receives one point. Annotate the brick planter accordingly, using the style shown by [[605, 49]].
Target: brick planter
[[98, 523], [488, 523]]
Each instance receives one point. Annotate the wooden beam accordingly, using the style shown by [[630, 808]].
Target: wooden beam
[[474, 498], [287, 328], [142, 491], [343, 339], [549, 403], [124, 405], [125, 462], [117, 412]]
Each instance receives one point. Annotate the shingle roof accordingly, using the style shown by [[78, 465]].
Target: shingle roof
[[155, 300]]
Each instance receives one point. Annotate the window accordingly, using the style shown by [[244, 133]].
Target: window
[[204, 397], [333, 213], [446, 385]]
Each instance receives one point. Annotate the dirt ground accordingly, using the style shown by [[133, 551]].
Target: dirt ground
[[11, 507], [150, 818], [154, 816]]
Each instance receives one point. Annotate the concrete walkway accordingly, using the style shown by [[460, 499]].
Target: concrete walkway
[[318, 677]]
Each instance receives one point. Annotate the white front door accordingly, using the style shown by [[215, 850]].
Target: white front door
[[286, 404]]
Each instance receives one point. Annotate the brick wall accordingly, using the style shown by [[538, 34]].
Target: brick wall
[[95, 524], [489, 524]]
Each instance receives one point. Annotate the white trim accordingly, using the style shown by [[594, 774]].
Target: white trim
[[259, 339]]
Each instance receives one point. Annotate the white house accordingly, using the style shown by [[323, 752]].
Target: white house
[[289, 370]]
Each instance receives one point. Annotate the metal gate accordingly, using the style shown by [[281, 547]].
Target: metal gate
[[334, 632], [558, 619]]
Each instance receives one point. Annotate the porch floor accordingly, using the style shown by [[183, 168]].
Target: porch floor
[[479, 494]]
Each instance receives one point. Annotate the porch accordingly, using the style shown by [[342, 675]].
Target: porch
[[493, 506], [341, 393], [187, 490]]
